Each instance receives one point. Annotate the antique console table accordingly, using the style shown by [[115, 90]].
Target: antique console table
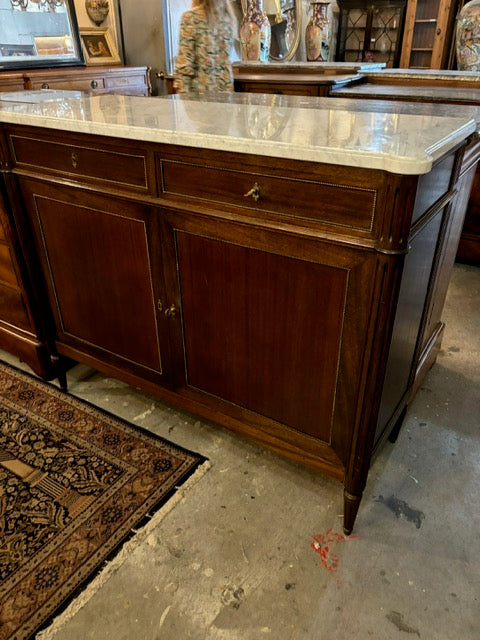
[[273, 267]]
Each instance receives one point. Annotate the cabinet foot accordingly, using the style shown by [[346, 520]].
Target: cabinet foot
[[350, 510], [60, 371]]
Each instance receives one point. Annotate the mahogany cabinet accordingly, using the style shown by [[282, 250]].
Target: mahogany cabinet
[[294, 317]]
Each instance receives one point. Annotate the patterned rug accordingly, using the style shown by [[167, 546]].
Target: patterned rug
[[74, 482]]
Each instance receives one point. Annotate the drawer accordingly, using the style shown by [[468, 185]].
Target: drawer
[[127, 167], [7, 271], [119, 82], [12, 308], [328, 202], [71, 84]]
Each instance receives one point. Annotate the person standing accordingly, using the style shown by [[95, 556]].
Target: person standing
[[206, 36]]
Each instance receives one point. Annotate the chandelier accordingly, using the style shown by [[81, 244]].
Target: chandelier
[[23, 5]]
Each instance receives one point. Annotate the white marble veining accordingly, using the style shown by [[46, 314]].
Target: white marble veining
[[331, 131]]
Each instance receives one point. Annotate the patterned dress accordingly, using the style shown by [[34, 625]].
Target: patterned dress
[[203, 63]]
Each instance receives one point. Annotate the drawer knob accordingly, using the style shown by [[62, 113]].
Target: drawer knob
[[171, 311], [94, 84], [74, 157], [254, 192], [45, 85]]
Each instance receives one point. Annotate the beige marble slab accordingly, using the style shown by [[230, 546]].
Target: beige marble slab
[[336, 132]]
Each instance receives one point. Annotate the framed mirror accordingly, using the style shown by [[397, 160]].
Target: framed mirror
[[285, 18], [38, 33]]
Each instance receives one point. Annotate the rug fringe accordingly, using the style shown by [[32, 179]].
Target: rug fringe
[[124, 552]]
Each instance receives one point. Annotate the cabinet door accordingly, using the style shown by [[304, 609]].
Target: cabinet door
[[275, 328], [428, 34], [370, 31], [102, 266]]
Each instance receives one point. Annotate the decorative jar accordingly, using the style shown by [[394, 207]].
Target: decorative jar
[[317, 33], [468, 37], [255, 33]]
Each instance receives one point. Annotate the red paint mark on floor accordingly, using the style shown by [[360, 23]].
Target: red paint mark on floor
[[323, 544]]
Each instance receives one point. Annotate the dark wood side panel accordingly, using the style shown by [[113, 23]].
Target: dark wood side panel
[[411, 303]]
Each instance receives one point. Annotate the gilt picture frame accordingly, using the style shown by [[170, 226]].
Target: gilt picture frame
[[99, 47]]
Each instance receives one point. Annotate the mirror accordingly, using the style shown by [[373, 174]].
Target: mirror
[[285, 18], [38, 33]]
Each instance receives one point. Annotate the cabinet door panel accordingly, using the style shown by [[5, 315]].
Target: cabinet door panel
[[98, 265], [255, 326]]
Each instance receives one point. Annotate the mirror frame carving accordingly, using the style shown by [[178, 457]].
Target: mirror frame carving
[[293, 49]]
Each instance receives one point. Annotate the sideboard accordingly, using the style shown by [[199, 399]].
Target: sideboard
[[102, 79], [272, 269], [296, 78]]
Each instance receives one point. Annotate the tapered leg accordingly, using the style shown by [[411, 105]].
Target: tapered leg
[[60, 371], [350, 510]]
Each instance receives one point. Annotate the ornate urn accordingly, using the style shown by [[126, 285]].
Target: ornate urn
[[468, 37], [317, 33], [255, 33]]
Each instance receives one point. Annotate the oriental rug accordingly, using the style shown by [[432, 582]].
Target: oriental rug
[[75, 481]]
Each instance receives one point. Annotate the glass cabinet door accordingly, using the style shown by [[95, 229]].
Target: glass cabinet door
[[429, 27], [370, 31]]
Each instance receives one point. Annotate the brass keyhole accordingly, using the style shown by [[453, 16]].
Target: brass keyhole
[[254, 192], [171, 311], [74, 160]]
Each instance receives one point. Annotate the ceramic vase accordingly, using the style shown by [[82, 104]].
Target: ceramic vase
[[97, 10], [255, 33], [291, 30], [468, 37], [317, 33]]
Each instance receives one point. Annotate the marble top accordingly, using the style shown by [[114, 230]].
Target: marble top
[[305, 67], [470, 96], [296, 78], [444, 75], [336, 131]]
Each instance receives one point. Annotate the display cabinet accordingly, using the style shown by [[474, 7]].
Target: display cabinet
[[370, 31], [428, 34]]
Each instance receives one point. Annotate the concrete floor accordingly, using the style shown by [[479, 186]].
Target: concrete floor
[[234, 560]]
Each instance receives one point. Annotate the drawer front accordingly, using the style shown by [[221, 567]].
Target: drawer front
[[12, 308], [125, 81], [7, 272], [72, 84], [99, 164], [343, 205]]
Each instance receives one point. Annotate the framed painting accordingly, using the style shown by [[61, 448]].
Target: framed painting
[[98, 47]]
